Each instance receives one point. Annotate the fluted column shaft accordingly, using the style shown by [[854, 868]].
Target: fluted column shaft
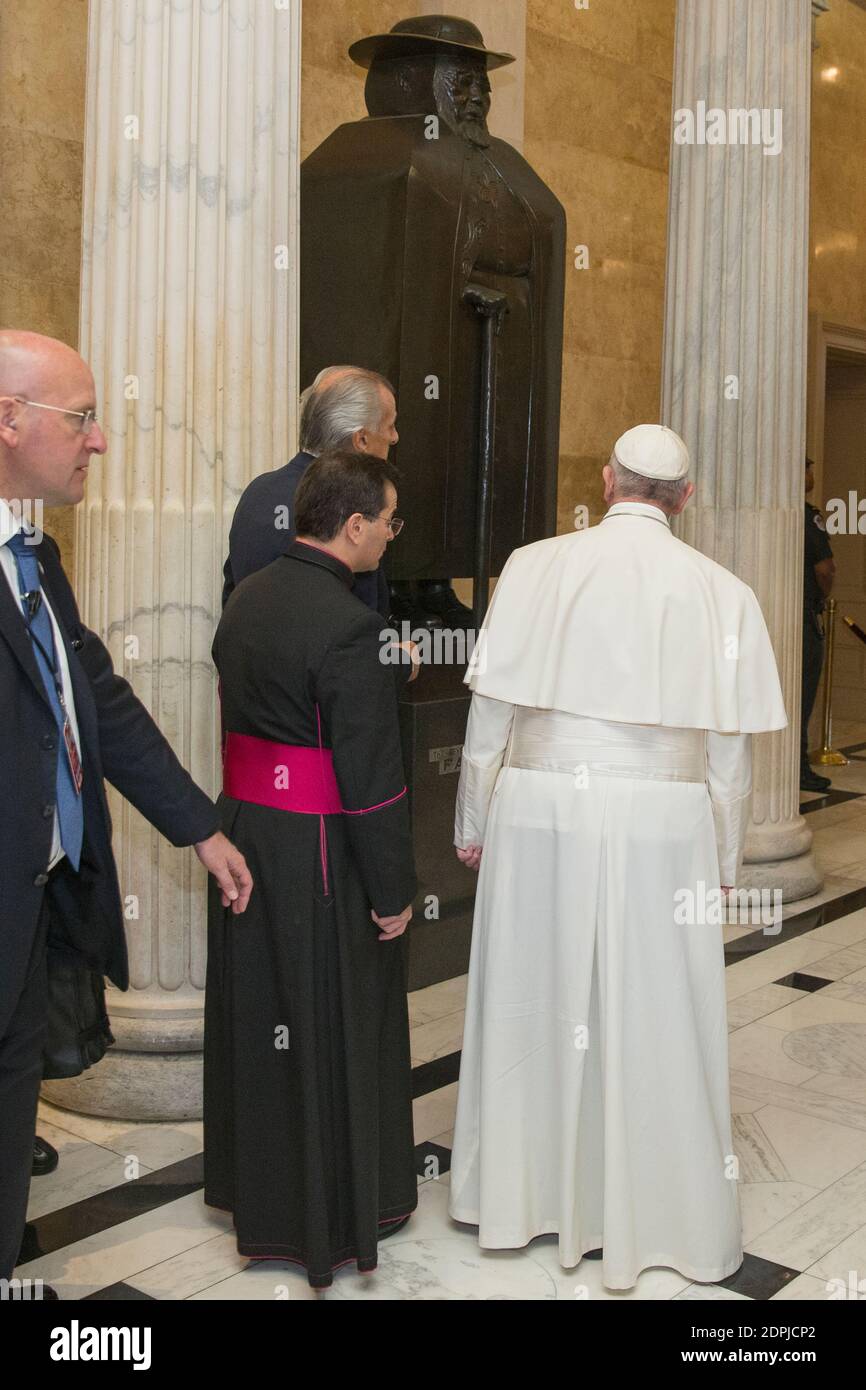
[[188, 317], [734, 364]]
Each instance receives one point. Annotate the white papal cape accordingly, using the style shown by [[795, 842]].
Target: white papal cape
[[616, 684]]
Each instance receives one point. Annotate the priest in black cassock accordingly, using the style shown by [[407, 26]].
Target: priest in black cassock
[[307, 1087]]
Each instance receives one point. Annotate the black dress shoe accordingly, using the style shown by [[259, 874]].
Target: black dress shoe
[[813, 781], [45, 1157]]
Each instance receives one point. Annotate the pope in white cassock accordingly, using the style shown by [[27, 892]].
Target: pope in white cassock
[[617, 682]]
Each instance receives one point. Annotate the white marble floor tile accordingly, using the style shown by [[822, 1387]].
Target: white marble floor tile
[[851, 1088], [748, 1008], [745, 1105], [802, 1099], [156, 1145], [190, 1271], [814, 1152], [124, 1250], [434, 1112], [772, 963], [437, 1038], [732, 931], [846, 813], [432, 1170], [805, 1288], [846, 961], [818, 1226], [758, 1160], [763, 1204], [712, 1293], [761, 1050], [834, 886], [845, 931], [846, 837], [435, 1001], [84, 1170], [846, 1262], [265, 1281], [847, 988], [812, 1009], [853, 870]]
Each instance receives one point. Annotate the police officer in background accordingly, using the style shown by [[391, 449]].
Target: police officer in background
[[817, 583]]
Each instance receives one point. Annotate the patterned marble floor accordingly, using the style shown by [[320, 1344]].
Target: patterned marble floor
[[123, 1216]]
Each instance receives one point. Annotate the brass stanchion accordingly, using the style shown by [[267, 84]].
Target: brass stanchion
[[828, 755]]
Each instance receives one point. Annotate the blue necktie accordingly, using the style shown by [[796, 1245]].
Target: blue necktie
[[69, 809]]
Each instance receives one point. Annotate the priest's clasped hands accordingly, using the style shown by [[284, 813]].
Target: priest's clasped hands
[[392, 926]]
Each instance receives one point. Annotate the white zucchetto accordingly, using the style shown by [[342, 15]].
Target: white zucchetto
[[653, 451]]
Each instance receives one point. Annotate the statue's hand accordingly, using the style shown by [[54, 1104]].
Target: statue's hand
[[487, 301]]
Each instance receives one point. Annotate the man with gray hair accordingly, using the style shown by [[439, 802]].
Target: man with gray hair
[[345, 408], [617, 682]]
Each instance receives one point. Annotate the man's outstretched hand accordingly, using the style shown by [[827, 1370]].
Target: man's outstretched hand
[[471, 856], [229, 868]]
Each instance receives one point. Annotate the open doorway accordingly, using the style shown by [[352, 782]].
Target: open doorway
[[837, 435]]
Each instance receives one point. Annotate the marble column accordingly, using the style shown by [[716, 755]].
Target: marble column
[[189, 318], [734, 361]]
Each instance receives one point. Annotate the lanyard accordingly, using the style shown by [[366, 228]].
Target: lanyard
[[52, 664]]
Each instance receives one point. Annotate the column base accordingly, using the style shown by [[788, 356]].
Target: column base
[[149, 1086], [797, 877]]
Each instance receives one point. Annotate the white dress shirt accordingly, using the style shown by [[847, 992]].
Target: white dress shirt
[[9, 526]]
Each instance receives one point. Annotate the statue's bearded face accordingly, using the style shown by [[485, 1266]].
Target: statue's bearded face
[[461, 88]]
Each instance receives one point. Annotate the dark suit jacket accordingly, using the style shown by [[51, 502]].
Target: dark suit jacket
[[255, 540], [120, 741]]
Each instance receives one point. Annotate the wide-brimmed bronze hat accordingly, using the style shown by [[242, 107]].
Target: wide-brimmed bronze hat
[[429, 33]]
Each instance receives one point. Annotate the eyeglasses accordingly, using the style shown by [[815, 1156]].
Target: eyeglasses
[[395, 524], [87, 417]]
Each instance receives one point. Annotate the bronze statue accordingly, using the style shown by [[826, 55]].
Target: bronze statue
[[431, 252]]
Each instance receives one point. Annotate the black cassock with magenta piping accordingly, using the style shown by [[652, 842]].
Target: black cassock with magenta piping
[[307, 1090]]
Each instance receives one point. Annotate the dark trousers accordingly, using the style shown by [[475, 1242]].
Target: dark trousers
[[20, 1078], [813, 660]]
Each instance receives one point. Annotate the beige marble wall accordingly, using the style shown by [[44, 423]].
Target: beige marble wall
[[598, 112], [332, 87], [42, 72], [837, 275]]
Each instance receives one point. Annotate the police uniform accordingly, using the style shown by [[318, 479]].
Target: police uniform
[[816, 549]]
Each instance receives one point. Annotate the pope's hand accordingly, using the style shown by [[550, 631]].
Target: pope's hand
[[470, 856], [229, 868], [392, 926]]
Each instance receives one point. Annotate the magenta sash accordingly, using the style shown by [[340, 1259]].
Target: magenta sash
[[286, 776]]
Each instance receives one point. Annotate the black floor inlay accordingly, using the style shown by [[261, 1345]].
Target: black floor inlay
[[796, 925], [431, 1076], [111, 1208], [123, 1293], [757, 1278], [797, 980], [431, 1160], [831, 798]]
